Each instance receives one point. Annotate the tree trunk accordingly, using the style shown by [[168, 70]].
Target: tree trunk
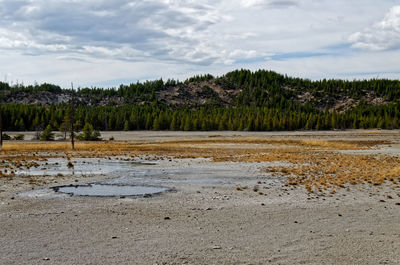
[[72, 138], [72, 118]]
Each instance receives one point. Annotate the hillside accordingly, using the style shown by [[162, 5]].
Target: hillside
[[261, 88], [239, 100]]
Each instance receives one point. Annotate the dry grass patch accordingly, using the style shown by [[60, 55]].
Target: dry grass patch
[[327, 172], [192, 144], [315, 163], [372, 132], [34, 147], [284, 142]]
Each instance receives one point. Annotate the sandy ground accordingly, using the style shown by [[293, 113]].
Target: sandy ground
[[205, 220]]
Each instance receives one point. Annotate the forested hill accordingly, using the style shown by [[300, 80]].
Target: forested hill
[[238, 100], [237, 88]]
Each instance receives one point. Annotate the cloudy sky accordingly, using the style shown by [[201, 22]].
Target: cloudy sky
[[106, 43]]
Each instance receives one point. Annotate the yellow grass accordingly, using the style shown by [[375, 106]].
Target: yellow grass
[[332, 171], [372, 132], [334, 145], [133, 146], [35, 147]]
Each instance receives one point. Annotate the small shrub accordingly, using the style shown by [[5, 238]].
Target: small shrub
[[6, 136], [19, 137]]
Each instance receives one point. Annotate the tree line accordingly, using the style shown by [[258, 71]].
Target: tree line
[[18, 117]]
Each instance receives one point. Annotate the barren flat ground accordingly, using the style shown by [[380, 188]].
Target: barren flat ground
[[219, 198]]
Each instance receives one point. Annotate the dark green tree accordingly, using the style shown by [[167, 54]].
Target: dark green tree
[[47, 134], [89, 134], [126, 125]]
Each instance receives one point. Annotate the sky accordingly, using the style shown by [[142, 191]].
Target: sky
[[106, 43]]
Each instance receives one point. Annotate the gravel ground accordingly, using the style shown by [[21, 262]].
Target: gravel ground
[[205, 220]]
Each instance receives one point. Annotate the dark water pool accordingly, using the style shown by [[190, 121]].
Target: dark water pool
[[106, 190]]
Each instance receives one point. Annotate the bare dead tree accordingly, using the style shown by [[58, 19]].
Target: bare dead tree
[[39, 128], [72, 117]]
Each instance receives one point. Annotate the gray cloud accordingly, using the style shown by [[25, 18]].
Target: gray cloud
[[283, 4], [270, 3], [122, 29]]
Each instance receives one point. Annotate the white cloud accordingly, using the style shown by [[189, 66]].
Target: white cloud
[[384, 35]]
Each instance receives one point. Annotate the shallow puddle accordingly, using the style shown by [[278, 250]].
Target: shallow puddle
[[81, 166], [140, 178], [105, 190]]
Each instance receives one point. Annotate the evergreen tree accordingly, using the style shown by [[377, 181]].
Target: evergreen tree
[[64, 128], [156, 124], [126, 125], [47, 134], [89, 134], [174, 123], [188, 124]]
